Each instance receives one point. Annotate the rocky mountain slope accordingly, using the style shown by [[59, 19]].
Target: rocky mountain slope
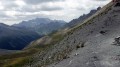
[[13, 38], [90, 43], [94, 43], [42, 26], [98, 34]]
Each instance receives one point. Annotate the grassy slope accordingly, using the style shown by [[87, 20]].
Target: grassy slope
[[21, 58]]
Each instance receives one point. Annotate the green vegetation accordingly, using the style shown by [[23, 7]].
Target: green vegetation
[[21, 58], [16, 59]]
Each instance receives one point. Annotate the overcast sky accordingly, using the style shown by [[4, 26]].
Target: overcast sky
[[14, 11]]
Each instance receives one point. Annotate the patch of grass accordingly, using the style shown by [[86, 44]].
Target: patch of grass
[[21, 58], [19, 54], [17, 59], [17, 62]]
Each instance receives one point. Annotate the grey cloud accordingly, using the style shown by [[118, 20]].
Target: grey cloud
[[9, 5], [40, 1], [28, 9], [29, 17], [42, 8], [3, 15], [81, 8], [48, 8]]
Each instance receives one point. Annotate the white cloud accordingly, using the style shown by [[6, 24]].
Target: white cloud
[[1, 6], [20, 2], [14, 11]]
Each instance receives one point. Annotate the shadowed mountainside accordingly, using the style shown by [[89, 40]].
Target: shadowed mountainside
[[13, 38]]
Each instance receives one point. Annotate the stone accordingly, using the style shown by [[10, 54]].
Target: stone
[[117, 41]]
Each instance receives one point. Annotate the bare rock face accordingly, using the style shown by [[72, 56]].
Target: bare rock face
[[117, 41], [117, 5]]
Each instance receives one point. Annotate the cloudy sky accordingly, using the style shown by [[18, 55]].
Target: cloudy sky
[[14, 11]]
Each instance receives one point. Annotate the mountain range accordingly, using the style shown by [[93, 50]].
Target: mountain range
[[76, 21], [42, 26], [17, 36]]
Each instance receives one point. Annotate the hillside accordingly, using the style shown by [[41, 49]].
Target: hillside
[[42, 26], [13, 38], [99, 34], [7, 52], [94, 43]]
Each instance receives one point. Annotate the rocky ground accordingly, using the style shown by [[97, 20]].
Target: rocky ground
[[100, 49]]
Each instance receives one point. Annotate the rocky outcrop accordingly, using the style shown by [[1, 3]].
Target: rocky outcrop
[[117, 41]]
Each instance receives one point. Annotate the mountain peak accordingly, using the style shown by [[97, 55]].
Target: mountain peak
[[42, 26], [3, 25]]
